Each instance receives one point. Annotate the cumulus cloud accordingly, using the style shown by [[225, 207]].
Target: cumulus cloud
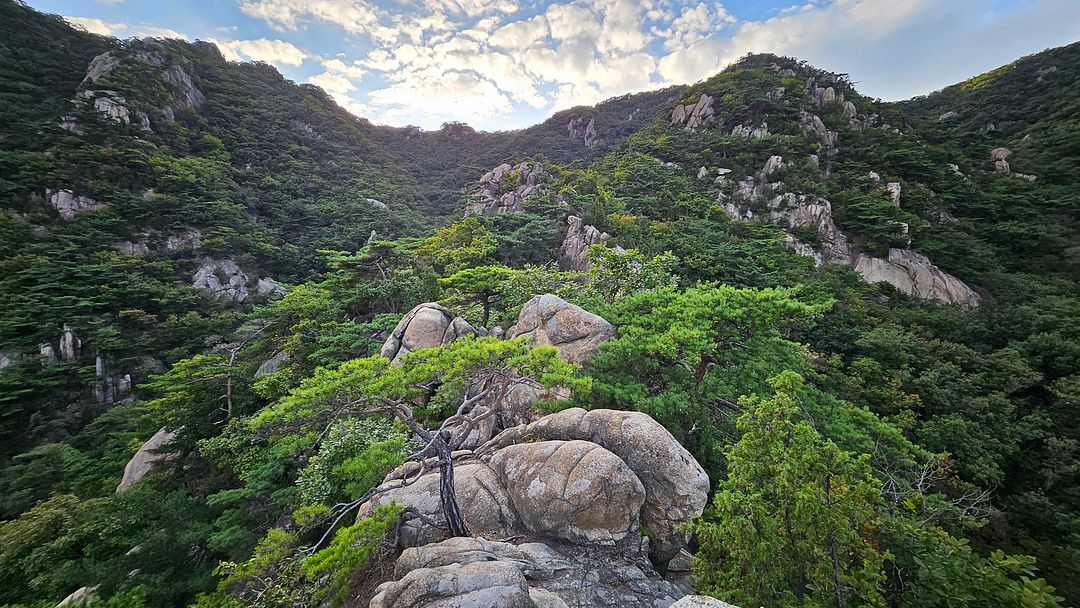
[[123, 30], [262, 49], [489, 62]]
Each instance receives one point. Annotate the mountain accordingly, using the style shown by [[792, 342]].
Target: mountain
[[233, 314]]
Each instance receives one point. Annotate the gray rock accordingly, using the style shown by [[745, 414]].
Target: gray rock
[[495, 584], [700, 601], [894, 192], [375, 203], [188, 239], [578, 129], [574, 252], [270, 288], [1000, 153], [811, 124], [272, 364], [183, 88], [570, 490], [46, 353], [913, 273], [145, 459], [109, 386], [68, 204], [506, 189], [850, 110], [110, 104], [100, 67], [8, 358], [70, 344], [676, 487], [222, 278], [948, 116], [694, 115], [425, 326], [139, 248], [71, 124], [549, 320], [80, 596]]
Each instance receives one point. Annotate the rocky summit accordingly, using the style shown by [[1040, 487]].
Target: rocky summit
[[759, 340]]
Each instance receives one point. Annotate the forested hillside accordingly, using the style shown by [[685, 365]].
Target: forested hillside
[[252, 347]]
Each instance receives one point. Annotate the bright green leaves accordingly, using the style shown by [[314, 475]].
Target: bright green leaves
[[792, 524]]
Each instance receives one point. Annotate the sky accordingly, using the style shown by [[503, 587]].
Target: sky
[[503, 64]]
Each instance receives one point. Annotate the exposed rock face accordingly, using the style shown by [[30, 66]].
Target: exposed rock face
[[506, 188], [188, 239], [700, 601], [101, 66], [425, 326], [68, 204], [183, 88], [553, 573], [222, 278], [270, 288], [676, 487], [908, 271], [694, 115], [46, 353], [914, 274], [811, 125], [570, 490], [583, 131], [375, 203], [139, 248], [574, 253], [8, 358], [894, 192], [110, 386], [272, 364], [80, 596], [108, 103], [850, 110], [825, 95], [751, 132], [70, 344], [552, 321], [144, 460]]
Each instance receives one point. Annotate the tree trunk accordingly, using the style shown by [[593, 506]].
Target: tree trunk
[[447, 494]]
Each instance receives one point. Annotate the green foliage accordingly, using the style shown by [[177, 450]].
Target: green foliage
[[792, 523]]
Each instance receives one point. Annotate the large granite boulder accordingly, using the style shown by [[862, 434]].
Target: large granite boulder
[[574, 253], [222, 278], [914, 274], [425, 326], [552, 321], [145, 459], [555, 576], [694, 115], [583, 131], [570, 490], [676, 487], [700, 601]]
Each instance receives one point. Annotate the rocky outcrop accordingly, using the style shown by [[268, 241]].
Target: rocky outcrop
[[269, 288], [894, 189], [825, 95], [910, 272], [676, 487], [100, 67], [222, 278], [506, 189], [272, 364], [694, 115], [574, 252], [136, 248], [46, 353], [183, 89], [375, 203], [181, 241], [110, 386], [425, 326], [700, 601], [811, 124], [913, 273], [109, 104], [79, 597], [999, 157], [145, 459], [549, 320], [69, 204], [70, 344], [574, 490], [750, 131], [477, 572], [582, 131]]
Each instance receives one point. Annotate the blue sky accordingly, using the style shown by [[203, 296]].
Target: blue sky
[[500, 64]]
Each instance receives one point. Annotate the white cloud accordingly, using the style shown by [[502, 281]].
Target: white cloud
[[262, 49], [485, 61], [123, 30], [98, 26]]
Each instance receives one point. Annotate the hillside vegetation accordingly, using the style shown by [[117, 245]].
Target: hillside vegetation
[[860, 320]]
